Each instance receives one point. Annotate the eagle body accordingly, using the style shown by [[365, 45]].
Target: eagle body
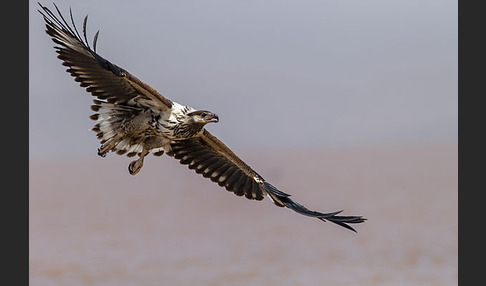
[[134, 119], [130, 129]]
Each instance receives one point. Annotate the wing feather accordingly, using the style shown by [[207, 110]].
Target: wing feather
[[101, 78], [232, 180], [211, 158]]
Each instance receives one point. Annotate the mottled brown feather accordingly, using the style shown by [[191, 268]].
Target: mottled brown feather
[[101, 78], [211, 158]]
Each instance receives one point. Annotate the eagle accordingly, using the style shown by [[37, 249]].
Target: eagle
[[134, 119]]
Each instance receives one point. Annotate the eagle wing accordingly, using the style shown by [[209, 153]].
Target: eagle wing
[[210, 157], [103, 79]]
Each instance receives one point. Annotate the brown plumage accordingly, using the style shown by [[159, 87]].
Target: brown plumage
[[133, 119]]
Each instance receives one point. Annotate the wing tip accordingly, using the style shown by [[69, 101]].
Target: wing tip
[[282, 199]]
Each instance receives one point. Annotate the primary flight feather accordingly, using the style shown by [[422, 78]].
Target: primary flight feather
[[133, 119]]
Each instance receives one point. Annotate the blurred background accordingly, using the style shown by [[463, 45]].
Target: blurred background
[[345, 105]]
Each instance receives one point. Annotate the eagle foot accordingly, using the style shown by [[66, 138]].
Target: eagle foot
[[135, 166]]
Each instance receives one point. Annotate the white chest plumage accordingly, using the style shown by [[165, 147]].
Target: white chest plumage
[[172, 124]]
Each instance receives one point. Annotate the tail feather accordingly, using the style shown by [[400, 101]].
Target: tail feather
[[282, 199]]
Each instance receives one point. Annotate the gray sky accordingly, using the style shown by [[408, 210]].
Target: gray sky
[[280, 74]]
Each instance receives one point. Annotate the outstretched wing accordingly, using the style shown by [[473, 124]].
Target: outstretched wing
[[103, 79], [210, 157]]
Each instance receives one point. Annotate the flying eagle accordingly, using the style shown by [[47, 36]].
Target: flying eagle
[[133, 119]]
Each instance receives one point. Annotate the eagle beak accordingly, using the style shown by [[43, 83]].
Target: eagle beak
[[214, 118]]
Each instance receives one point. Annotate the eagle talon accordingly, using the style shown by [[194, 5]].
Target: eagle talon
[[100, 153]]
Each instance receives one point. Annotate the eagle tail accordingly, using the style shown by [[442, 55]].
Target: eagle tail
[[282, 199]]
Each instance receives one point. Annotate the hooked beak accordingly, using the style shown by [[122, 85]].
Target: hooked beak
[[213, 118]]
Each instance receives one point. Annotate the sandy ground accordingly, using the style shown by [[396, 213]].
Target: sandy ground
[[91, 223]]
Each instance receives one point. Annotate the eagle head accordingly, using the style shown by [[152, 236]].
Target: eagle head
[[203, 117]]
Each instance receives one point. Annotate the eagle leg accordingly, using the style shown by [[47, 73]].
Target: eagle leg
[[135, 166], [168, 149]]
